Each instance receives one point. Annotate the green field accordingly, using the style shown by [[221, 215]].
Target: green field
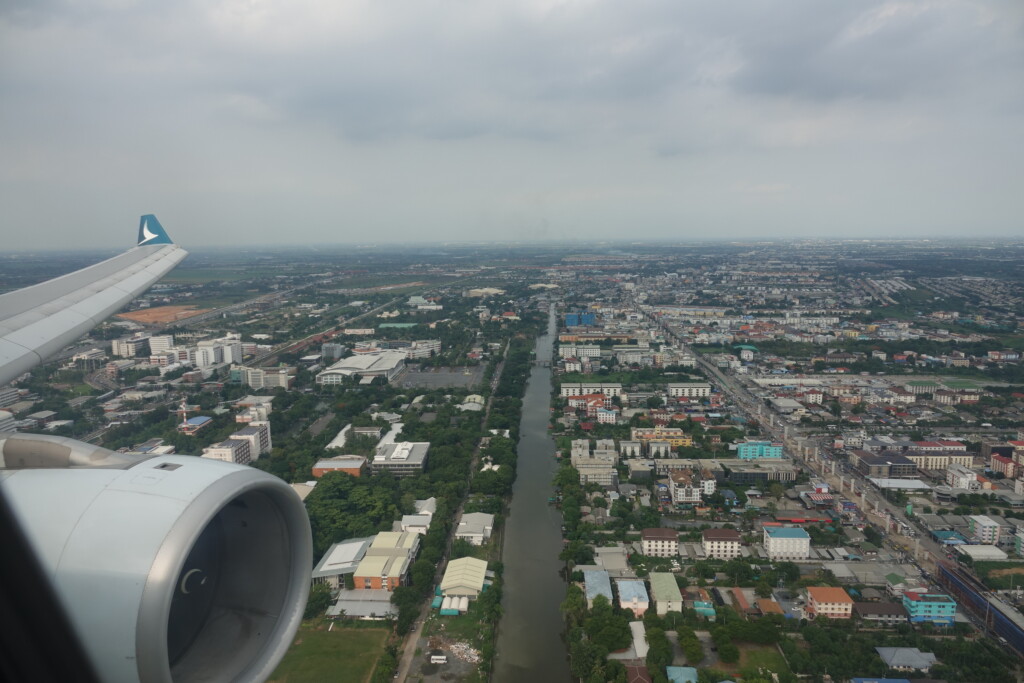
[[1001, 575], [960, 383], [203, 275], [766, 656], [344, 655]]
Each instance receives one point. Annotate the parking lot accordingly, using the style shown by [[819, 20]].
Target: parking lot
[[442, 377]]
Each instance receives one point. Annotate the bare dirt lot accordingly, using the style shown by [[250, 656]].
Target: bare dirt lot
[[161, 314], [1007, 572]]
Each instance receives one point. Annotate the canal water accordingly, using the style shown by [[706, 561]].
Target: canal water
[[530, 646]]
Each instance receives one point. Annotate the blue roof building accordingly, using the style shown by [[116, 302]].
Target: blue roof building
[[786, 532], [597, 582], [194, 424], [633, 595], [786, 543]]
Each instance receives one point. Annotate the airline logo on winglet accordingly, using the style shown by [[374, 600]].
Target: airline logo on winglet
[[151, 232]]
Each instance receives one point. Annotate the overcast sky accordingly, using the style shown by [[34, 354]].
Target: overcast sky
[[313, 121]]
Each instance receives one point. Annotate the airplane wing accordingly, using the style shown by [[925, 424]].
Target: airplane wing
[[38, 321]]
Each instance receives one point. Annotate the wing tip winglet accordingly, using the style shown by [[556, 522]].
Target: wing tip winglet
[[151, 232]]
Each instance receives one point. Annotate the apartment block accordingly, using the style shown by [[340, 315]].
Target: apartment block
[[675, 436], [755, 450], [937, 608], [689, 390], [721, 544], [237, 451], [786, 543], [689, 486], [660, 542], [826, 601], [983, 529]]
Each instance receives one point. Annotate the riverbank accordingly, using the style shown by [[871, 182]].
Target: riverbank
[[529, 644]]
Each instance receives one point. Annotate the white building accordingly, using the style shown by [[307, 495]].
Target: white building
[[423, 348], [786, 543], [161, 343], [983, 529], [657, 542], [689, 486], [258, 436], [263, 378], [401, 459], [609, 389], [231, 450], [597, 467], [721, 544], [387, 364], [689, 390], [131, 347], [209, 353], [960, 477], [475, 527]]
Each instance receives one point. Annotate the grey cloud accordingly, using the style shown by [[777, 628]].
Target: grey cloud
[[659, 113]]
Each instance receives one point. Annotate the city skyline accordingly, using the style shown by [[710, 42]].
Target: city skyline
[[361, 123]]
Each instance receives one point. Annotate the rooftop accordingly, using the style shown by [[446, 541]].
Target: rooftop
[[664, 586], [786, 532], [920, 596], [342, 558], [465, 573], [656, 534], [597, 582], [828, 594], [631, 589]]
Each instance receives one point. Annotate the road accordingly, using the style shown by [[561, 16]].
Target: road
[[271, 355], [413, 637], [923, 548]]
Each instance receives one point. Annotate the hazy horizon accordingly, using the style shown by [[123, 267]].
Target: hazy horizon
[[543, 121]]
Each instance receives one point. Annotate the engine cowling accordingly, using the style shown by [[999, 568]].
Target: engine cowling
[[171, 568]]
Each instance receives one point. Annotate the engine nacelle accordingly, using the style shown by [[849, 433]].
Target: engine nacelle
[[171, 568]]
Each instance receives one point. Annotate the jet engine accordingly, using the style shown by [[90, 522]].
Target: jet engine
[[170, 568]]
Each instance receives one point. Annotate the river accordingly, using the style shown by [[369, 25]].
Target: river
[[530, 646]]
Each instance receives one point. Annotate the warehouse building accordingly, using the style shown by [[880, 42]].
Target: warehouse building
[[387, 364]]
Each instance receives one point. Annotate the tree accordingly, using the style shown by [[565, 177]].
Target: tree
[[776, 490], [574, 607], [461, 548], [608, 630], [319, 600], [422, 573], [763, 589]]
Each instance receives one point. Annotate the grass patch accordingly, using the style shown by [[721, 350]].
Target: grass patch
[[204, 275], [763, 656], [1001, 575], [960, 383], [464, 627], [344, 655], [755, 657]]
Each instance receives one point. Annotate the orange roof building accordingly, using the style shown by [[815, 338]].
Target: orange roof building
[[826, 601]]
